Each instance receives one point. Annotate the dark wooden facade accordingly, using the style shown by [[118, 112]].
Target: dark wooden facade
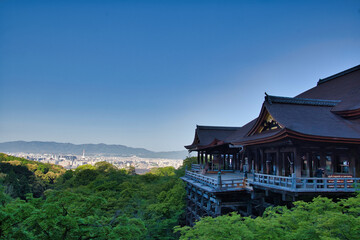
[[297, 148]]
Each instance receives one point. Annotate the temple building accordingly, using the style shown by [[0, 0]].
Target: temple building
[[297, 148]]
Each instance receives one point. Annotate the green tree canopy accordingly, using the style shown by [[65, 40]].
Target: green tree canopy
[[317, 220]]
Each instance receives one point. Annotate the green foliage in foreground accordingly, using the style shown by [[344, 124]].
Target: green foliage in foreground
[[103, 202], [321, 219], [21, 176], [65, 215], [98, 202]]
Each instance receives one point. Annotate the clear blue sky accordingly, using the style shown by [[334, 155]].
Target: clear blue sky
[[144, 73]]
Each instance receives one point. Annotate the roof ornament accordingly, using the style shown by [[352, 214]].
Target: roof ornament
[[267, 98]]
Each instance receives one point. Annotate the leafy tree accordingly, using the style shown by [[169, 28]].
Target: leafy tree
[[163, 172], [186, 165], [66, 215], [320, 219], [105, 167], [100, 202]]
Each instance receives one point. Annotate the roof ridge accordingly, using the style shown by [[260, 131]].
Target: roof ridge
[[338, 74], [301, 101], [216, 127]]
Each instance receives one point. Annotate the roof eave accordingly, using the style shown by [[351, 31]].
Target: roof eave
[[301, 136]]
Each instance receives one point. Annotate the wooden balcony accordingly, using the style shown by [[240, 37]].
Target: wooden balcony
[[216, 182], [294, 184], [237, 182]]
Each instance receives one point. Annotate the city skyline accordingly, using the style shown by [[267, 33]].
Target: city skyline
[[144, 73]]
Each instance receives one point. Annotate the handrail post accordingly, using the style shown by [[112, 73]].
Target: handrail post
[[335, 183], [293, 180], [345, 184], [219, 179], [325, 183]]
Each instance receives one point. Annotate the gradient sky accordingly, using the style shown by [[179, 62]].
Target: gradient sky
[[144, 73]]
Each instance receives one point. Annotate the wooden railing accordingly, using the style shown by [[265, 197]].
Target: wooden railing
[[307, 184], [208, 181], [218, 182], [232, 183], [283, 182], [196, 167]]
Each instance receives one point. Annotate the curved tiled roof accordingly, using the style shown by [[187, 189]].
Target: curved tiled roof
[[206, 135], [344, 86], [313, 120], [301, 101], [328, 112]]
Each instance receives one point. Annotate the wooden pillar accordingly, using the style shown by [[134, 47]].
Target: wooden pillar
[[221, 161], [225, 161], [283, 166], [196, 199], [333, 162], [202, 202], [235, 161], [249, 209], [248, 163], [257, 159], [253, 164], [198, 157], [212, 163], [206, 157], [239, 160], [208, 207], [308, 164], [356, 155], [267, 157], [242, 160], [218, 208], [201, 157], [277, 161], [228, 161], [322, 159], [262, 161], [297, 162]]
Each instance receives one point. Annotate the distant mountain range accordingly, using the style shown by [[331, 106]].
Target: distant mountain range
[[90, 149]]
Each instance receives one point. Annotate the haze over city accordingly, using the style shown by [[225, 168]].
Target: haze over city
[[144, 73]]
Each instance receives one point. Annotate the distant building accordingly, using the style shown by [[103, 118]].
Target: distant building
[[83, 155], [297, 148]]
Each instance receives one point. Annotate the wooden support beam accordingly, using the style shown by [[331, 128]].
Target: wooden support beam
[[277, 162], [283, 166], [308, 164], [267, 164], [355, 153], [262, 161], [333, 161], [257, 161], [297, 162], [235, 161], [249, 209], [218, 210]]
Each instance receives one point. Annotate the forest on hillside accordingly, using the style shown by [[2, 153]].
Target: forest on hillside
[[44, 201]]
